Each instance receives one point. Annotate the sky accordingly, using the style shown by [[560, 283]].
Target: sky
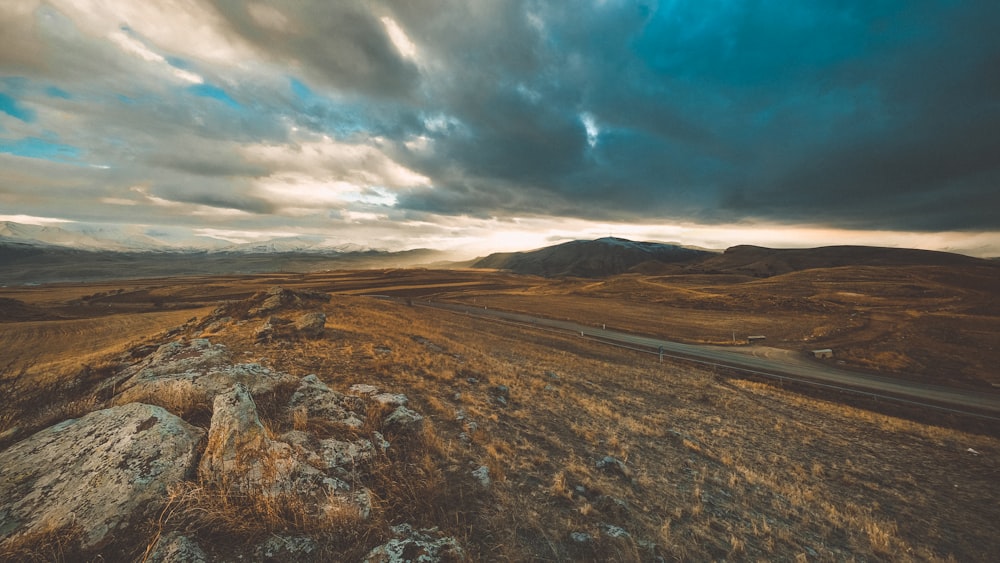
[[485, 125]]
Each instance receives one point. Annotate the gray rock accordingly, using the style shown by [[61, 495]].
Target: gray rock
[[363, 390], [348, 456], [424, 546], [175, 548], [391, 399], [319, 401], [181, 374], [240, 458], [581, 537], [403, 420], [614, 531], [482, 475], [311, 325], [614, 466], [236, 439], [102, 472]]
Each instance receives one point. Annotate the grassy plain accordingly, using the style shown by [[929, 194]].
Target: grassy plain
[[713, 467]]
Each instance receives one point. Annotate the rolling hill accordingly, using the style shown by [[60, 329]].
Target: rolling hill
[[591, 258], [612, 256]]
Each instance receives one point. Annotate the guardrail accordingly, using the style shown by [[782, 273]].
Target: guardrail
[[466, 310]]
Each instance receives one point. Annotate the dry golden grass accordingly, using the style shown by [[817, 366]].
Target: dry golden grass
[[716, 468]]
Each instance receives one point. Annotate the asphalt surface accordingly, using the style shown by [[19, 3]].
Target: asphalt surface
[[788, 367]]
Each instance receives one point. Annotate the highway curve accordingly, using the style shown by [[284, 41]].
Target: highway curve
[[776, 367]]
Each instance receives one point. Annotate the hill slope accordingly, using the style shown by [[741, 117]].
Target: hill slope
[[590, 258], [611, 256], [765, 262]]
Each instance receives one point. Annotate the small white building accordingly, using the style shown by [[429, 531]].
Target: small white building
[[823, 353], [756, 339]]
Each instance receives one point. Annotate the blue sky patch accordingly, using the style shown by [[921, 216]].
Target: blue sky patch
[[34, 147], [214, 92], [12, 107]]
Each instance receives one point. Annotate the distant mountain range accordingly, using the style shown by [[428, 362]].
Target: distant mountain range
[[40, 254], [611, 256], [129, 239], [45, 254]]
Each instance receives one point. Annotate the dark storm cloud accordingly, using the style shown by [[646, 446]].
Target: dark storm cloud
[[877, 115], [342, 44]]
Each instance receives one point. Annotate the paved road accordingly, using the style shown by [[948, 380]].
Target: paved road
[[784, 366]]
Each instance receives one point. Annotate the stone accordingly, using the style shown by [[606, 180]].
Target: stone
[[424, 546], [103, 472], [363, 390], [347, 456], [482, 475], [614, 531], [177, 548], [614, 466], [311, 325], [319, 401], [182, 373], [236, 438], [391, 399], [581, 537], [403, 420], [241, 459]]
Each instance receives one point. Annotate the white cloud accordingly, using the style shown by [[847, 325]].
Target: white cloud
[[325, 173], [33, 220], [135, 47], [399, 38], [186, 27]]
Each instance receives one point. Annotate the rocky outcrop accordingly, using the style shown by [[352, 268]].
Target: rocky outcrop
[[100, 473], [240, 458], [311, 324], [314, 399], [191, 372], [416, 545]]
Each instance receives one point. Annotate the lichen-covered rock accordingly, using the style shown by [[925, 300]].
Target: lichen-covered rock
[[319, 401], [240, 458], [236, 438], [176, 548], [102, 472], [363, 390], [391, 399], [409, 545], [311, 325], [403, 420], [183, 373]]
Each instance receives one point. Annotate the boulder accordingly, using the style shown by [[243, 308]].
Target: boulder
[[613, 466], [241, 459], [236, 438], [426, 546], [182, 373], [102, 472], [319, 401], [311, 325], [403, 420]]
